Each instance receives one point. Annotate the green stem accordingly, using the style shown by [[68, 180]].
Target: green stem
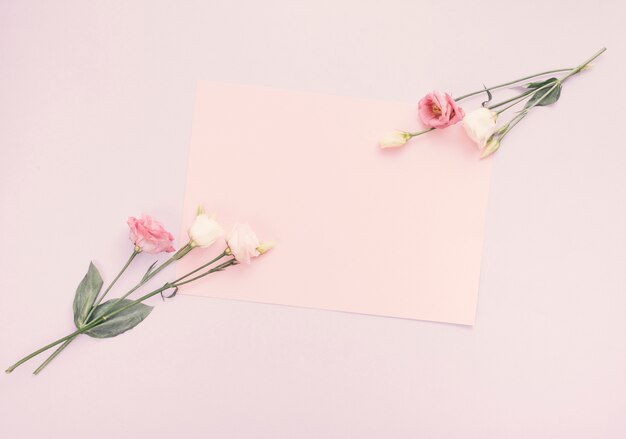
[[583, 65], [224, 253], [514, 98], [53, 356], [105, 317], [419, 133], [179, 254], [136, 251], [519, 98], [220, 267], [506, 84], [517, 119], [87, 327]]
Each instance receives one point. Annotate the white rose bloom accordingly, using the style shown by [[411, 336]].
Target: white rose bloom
[[394, 139], [480, 124], [205, 230], [243, 243]]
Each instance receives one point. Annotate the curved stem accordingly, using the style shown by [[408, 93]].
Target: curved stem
[[506, 84]]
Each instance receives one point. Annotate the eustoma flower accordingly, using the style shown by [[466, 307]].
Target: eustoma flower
[[117, 316], [243, 243], [480, 125], [149, 235], [439, 110], [205, 230]]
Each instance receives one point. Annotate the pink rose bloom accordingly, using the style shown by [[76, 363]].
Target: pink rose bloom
[[438, 110], [243, 243], [150, 235]]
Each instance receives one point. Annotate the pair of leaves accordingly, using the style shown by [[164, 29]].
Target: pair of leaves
[[546, 96], [85, 297]]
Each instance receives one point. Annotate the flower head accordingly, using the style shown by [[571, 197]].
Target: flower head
[[439, 110], [149, 235], [205, 230], [479, 125], [394, 139], [243, 243]]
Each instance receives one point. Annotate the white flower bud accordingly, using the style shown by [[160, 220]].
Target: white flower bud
[[205, 230], [479, 125], [394, 139]]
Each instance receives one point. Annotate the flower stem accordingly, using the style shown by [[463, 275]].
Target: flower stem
[[136, 251], [105, 317], [179, 254], [506, 84], [419, 133], [220, 267], [54, 355], [518, 118], [583, 65], [201, 267], [521, 97]]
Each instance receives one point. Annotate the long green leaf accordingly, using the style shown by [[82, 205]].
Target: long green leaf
[[120, 322], [86, 294]]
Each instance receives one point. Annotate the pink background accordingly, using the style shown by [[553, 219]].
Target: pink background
[[96, 104], [358, 229]]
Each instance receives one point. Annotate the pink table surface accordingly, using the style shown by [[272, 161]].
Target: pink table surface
[[96, 103]]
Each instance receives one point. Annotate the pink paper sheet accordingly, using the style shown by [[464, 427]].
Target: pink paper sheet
[[394, 233]]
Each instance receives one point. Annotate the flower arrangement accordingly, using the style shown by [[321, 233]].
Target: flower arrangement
[[439, 110], [116, 316]]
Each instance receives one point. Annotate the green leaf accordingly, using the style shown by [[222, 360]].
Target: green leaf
[[540, 83], [86, 294], [546, 96], [120, 322]]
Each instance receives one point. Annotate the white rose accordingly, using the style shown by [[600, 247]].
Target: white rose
[[480, 124], [243, 243], [205, 230], [394, 139]]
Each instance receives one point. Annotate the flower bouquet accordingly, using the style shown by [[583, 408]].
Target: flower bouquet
[[96, 319], [439, 110]]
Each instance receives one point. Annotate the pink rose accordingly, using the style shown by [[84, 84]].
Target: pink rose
[[243, 243], [438, 110], [149, 235]]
